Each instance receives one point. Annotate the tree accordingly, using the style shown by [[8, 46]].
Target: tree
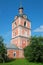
[[34, 52], [3, 50]]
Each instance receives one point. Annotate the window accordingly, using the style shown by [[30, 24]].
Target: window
[[14, 54], [25, 23], [14, 33], [15, 24]]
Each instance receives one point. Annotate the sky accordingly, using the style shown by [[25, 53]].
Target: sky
[[9, 9]]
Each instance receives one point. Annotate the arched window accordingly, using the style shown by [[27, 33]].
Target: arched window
[[14, 33], [15, 24], [25, 23], [14, 54]]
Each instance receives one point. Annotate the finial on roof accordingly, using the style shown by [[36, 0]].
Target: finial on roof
[[21, 7], [20, 4]]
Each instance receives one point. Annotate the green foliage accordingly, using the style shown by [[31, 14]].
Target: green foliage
[[34, 52], [3, 50]]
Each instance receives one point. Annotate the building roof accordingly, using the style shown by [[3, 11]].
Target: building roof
[[13, 46], [22, 16]]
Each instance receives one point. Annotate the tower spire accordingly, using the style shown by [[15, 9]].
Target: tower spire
[[20, 8], [20, 4]]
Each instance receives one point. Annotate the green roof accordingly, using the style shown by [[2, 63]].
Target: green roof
[[13, 46]]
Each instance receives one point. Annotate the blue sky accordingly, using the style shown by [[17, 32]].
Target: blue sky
[[9, 8]]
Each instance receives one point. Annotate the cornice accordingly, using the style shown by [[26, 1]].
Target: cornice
[[20, 37], [22, 27], [21, 17]]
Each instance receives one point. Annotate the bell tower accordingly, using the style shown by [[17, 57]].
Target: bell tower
[[21, 29]]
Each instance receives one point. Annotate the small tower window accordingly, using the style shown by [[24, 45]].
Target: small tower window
[[14, 33], [15, 24], [25, 23]]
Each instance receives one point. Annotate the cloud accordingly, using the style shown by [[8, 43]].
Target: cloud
[[39, 29]]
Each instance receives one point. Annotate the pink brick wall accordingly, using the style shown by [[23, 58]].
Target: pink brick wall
[[19, 53]]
